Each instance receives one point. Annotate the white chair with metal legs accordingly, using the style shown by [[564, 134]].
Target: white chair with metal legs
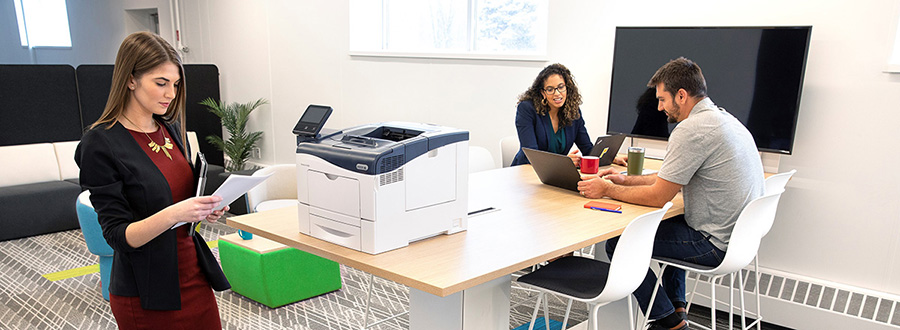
[[742, 248], [595, 282], [509, 146], [773, 183]]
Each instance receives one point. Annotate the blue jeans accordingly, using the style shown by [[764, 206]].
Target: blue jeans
[[674, 239]]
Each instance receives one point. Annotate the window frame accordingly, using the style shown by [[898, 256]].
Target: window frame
[[470, 54]]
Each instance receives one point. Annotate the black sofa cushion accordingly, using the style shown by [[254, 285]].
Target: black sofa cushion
[[37, 208], [42, 96]]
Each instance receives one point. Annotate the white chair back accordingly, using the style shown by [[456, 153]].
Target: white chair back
[[778, 181], [748, 232], [775, 183], [480, 159], [632, 257], [282, 185], [509, 146], [194, 144]]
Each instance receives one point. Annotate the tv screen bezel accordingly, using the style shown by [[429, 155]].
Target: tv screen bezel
[[796, 114]]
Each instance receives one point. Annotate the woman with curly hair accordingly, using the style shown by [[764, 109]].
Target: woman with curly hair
[[548, 116]]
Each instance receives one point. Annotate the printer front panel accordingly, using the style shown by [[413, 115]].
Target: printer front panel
[[431, 177], [333, 193]]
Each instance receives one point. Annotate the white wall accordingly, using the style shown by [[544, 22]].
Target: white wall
[[836, 221]]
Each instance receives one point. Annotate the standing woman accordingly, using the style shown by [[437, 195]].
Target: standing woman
[[134, 163], [548, 116]]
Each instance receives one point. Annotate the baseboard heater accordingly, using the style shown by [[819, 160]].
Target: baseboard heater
[[800, 302]]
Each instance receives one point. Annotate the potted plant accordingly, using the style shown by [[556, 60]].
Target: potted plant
[[240, 142]]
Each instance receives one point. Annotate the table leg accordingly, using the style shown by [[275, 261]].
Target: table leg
[[485, 306]]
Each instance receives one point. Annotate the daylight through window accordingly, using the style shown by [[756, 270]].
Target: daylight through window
[[514, 29], [43, 23]]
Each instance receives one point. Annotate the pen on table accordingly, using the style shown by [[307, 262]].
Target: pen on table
[[607, 210]]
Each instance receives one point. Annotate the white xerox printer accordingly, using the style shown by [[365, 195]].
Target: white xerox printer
[[378, 187]]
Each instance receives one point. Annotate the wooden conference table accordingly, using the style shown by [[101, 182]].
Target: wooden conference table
[[462, 281]]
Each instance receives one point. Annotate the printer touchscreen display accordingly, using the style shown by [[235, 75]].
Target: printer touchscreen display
[[312, 120]]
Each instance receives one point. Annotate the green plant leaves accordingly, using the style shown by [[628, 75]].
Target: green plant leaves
[[234, 118]]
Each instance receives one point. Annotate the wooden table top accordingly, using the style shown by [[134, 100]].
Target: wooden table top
[[257, 244], [535, 222]]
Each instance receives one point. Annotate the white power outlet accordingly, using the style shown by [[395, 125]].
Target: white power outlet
[[255, 153]]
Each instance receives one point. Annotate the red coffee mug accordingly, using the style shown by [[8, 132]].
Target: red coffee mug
[[590, 164]]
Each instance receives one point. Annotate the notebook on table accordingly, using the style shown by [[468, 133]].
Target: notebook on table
[[553, 169]]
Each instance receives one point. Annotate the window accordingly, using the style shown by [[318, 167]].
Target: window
[[893, 65], [493, 29], [43, 23]]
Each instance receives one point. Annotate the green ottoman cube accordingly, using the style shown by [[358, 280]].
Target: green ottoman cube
[[274, 274]]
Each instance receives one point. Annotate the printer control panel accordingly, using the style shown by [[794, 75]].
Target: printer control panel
[[312, 120]]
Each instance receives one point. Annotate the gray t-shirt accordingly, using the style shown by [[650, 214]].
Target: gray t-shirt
[[715, 158]]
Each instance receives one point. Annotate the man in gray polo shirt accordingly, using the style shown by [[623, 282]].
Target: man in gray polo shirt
[[713, 158]]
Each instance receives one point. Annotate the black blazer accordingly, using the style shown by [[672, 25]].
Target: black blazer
[[126, 187]]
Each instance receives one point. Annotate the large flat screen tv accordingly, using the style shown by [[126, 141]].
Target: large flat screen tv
[[756, 73]]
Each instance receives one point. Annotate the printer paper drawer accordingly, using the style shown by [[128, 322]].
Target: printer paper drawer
[[334, 193], [334, 232]]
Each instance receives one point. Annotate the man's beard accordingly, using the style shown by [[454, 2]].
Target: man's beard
[[669, 116]]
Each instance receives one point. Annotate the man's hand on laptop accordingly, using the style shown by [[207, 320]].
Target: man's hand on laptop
[[621, 160], [593, 188], [612, 175]]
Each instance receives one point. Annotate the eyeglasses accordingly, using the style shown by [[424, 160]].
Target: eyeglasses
[[552, 90]]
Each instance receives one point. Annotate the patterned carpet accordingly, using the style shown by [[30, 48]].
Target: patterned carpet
[[30, 301]]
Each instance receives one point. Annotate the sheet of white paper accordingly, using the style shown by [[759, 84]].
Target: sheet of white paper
[[233, 188], [237, 185]]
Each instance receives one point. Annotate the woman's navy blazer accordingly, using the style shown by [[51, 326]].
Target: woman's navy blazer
[[532, 132]]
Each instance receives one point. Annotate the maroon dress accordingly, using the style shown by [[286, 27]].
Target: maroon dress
[[198, 303]]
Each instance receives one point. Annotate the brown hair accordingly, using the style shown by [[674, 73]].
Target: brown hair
[[680, 73], [569, 111], [140, 53]]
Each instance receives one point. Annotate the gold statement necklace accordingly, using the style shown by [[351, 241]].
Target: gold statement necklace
[[153, 145]]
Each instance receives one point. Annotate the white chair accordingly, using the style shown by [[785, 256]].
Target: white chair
[[276, 192], [742, 248], [194, 144], [773, 183], [595, 282], [480, 159], [509, 146], [779, 181]]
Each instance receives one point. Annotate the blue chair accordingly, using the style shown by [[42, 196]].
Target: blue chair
[[93, 236]]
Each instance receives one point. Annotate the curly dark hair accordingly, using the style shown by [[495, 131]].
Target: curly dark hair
[[569, 111]]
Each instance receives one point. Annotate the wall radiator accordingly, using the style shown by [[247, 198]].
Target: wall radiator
[[801, 302]]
